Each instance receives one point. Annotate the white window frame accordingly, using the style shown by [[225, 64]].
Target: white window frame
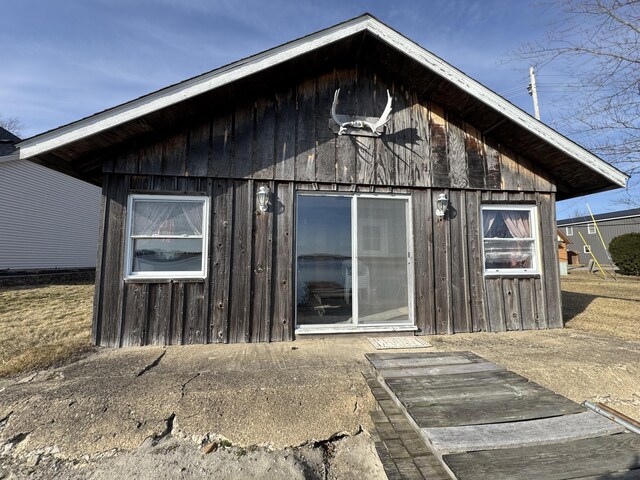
[[166, 275], [586, 249], [569, 231], [591, 228], [405, 325], [534, 227]]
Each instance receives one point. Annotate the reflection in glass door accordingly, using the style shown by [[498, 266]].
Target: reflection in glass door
[[324, 247], [353, 261]]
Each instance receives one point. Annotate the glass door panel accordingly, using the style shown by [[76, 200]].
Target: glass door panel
[[382, 261], [324, 250]]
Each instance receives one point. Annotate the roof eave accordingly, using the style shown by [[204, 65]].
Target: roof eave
[[188, 89], [177, 93]]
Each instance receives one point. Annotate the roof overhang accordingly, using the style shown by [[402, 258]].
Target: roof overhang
[[45, 147]]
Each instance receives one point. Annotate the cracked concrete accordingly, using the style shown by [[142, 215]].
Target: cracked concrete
[[153, 364], [126, 401], [283, 407]]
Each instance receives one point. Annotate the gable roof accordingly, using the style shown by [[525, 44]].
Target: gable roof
[[7, 145], [633, 212], [563, 237], [56, 148]]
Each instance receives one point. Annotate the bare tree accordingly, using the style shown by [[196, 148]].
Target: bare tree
[[596, 45], [12, 124]]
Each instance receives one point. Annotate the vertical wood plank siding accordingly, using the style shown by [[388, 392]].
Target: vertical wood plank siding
[[283, 141]]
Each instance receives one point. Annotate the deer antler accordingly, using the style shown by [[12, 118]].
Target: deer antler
[[360, 123], [384, 118]]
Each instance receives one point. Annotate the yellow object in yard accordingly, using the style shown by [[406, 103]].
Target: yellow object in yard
[[593, 256]]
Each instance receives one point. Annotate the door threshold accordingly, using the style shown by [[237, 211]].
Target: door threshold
[[380, 328]]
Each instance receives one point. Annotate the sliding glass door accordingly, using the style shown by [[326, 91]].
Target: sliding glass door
[[353, 261]]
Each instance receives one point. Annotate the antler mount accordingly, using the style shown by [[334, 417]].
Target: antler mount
[[354, 125]]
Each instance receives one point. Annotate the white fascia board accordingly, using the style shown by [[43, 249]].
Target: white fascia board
[[225, 75], [495, 101], [187, 89]]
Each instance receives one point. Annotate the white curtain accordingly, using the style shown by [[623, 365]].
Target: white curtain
[[167, 218], [517, 222], [488, 217]]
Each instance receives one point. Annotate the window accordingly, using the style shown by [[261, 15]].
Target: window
[[586, 249], [591, 229], [374, 236], [166, 236], [569, 231], [509, 239]]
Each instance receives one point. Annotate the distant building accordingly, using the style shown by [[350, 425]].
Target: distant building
[[48, 220], [563, 254], [611, 225]]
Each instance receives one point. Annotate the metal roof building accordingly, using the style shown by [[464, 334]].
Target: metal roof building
[[611, 225]]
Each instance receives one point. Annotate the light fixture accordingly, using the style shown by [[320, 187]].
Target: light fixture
[[442, 203], [263, 198]]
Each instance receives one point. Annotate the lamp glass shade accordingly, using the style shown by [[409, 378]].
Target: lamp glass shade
[[263, 198], [441, 205]]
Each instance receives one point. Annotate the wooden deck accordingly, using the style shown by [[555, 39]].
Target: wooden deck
[[482, 421]]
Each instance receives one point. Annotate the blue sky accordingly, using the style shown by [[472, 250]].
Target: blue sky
[[63, 60]]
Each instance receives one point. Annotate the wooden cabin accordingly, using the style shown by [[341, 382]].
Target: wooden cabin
[[256, 203]]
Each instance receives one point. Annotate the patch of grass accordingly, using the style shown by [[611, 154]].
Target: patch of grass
[[43, 325], [591, 303]]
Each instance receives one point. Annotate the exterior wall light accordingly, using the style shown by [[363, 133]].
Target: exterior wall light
[[442, 203], [263, 198]]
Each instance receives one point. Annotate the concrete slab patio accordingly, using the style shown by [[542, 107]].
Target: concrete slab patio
[[284, 394], [279, 394]]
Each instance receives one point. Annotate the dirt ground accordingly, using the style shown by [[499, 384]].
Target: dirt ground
[[287, 410]]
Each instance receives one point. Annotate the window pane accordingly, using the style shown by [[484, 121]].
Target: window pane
[[167, 218], [506, 223], [382, 261], [167, 255], [501, 254]]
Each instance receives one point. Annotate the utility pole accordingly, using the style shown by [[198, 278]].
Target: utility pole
[[534, 92]]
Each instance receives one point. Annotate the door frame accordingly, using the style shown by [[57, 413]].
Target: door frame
[[410, 324]]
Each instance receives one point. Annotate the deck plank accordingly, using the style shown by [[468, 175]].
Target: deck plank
[[459, 412], [520, 434], [388, 373], [450, 381], [591, 457]]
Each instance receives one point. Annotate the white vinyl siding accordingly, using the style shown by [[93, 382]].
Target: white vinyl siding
[[48, 220]]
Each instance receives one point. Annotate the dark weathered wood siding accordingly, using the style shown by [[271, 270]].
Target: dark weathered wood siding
[[283, 140]]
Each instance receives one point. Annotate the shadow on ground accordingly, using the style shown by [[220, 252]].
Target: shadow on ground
[[573, 304]]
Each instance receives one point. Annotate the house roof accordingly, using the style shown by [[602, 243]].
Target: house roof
[[7, 142], [633, 212], [578, 171], [563, 237]]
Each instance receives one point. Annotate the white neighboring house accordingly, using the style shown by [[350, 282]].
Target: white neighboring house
[[48, 220]]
